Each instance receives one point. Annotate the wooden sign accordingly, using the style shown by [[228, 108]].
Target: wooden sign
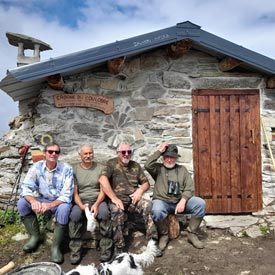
[[99, 102]]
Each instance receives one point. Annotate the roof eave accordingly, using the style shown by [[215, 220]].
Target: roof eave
[[23, 78]]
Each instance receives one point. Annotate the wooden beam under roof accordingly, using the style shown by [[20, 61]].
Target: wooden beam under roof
[[115, 65], [229, 63], [179, 48], [270, 82]]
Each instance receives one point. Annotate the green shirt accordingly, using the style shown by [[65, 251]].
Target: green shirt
[[87, 181], [162, 175]]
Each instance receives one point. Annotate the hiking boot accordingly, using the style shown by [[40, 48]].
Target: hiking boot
[[192, 229], [163, 241], [194, 240], [75, 258]]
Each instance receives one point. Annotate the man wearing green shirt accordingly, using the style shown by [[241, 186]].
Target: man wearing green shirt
[[173, 193], [87, 193]]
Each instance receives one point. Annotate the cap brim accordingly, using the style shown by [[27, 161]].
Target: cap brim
[[171, 155]]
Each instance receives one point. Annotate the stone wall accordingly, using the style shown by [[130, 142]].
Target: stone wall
[[152, 104], [268, 119]]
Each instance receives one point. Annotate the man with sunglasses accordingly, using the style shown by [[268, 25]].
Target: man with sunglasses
[[173, 193], [47, 190], [87, 193], [124, 182]]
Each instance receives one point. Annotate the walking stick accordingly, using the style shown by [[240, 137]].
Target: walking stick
[[268, 145]]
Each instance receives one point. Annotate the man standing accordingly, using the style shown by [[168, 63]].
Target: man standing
[[47, 189], [173, 194], [87, 193], [124, 182]]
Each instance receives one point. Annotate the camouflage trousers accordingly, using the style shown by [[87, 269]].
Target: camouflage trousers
[[119, 218]]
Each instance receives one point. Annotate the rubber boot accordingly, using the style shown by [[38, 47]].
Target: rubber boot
[[75, 244], [59, 232], [192, 229], [32, 226], [106, 242], [162, 227]]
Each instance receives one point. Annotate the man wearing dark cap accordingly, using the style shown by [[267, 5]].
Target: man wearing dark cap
[[173, 194]]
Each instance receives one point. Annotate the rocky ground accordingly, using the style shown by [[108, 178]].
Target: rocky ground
[[224, 254]]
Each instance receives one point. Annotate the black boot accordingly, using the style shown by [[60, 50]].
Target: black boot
[[59, 232], [31, 224]]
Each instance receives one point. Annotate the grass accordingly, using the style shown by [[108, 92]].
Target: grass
[[265, 230], [10, 226], [9, 217], [7, 232]]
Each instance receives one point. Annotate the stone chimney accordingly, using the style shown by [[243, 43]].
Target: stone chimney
[[23, 43]]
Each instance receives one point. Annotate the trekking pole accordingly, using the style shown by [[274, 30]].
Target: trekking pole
[[268, 144], [23, 150]]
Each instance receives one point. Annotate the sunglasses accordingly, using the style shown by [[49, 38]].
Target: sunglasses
[[53, 151], [123, 152]]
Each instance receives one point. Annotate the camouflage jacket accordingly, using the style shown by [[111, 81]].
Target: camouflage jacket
[[124, 180]]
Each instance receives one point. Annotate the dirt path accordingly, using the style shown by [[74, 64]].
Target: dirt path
[[224, 254]]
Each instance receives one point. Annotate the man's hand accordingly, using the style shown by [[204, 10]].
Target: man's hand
[[163, 147], [36, 206], [40, 207], [118, 203], [136, 196], [94, 209], [180, 206]]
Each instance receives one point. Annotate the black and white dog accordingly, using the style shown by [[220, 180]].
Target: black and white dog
[[123, 264]]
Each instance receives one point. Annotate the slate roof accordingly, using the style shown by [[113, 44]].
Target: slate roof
[[26, 81]]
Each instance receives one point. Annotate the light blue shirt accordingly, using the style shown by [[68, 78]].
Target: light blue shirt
[[57, 184]]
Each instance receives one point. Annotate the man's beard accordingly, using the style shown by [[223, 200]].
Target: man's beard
[[125, 161], [169, 165]]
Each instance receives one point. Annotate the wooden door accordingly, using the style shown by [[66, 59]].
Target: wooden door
[[227, 150]]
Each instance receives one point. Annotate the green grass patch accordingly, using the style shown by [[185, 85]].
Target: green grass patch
[[8, 231], [9, 217], [265, 229]]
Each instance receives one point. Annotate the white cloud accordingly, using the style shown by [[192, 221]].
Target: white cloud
[[250, 23]]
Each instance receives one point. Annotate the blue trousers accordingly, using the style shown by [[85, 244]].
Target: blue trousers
[[61, 212], [194, 206]]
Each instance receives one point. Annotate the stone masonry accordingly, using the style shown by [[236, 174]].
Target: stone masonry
[[152, 103]]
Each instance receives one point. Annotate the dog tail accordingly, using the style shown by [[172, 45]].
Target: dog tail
[[147, 257]]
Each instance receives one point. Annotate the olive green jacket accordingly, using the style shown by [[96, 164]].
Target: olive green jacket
[[162, 175]]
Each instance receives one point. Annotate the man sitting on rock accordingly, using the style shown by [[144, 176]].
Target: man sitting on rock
[[124, 182], [173, 194], [47, 189], [87, 193]]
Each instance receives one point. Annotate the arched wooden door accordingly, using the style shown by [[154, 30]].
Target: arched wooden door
[[227, 150]]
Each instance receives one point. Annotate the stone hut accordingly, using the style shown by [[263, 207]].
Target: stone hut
[[212, 98]]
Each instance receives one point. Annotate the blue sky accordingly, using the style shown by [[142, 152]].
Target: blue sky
[[75, 25]]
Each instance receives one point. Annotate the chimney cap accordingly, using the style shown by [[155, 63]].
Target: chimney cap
[[28, 42]]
